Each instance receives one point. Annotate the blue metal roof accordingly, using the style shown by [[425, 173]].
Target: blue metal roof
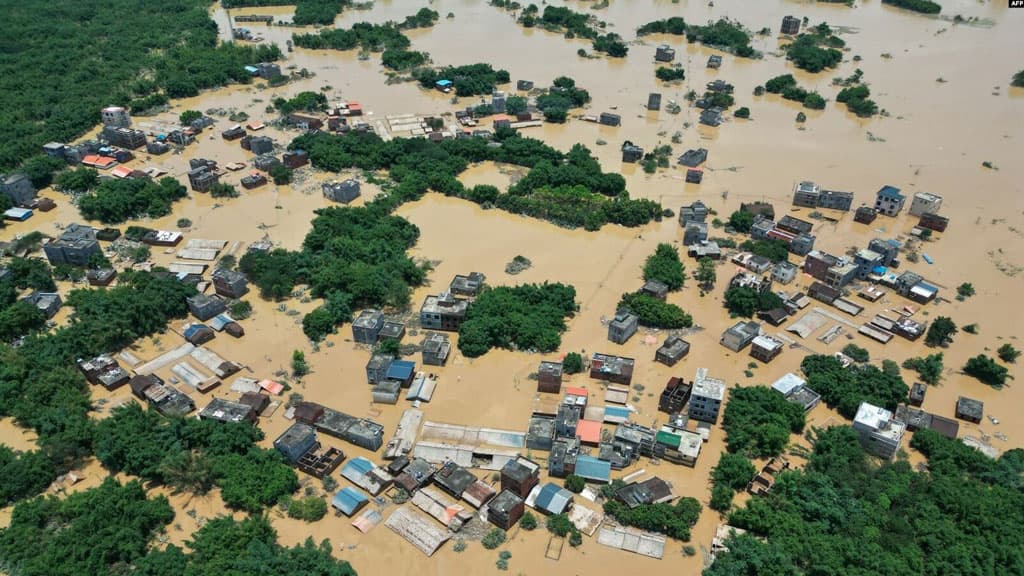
[[358, 464], [193, 329], [444, 83], [401, 370], [553, 498], [890, 192], [617, 411], [349, 500], [251, 69], [593, 469], [880, 270]]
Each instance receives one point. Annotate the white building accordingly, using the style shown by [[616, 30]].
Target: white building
[[706, 397], [880, 434], [116, 116], [925, 202]]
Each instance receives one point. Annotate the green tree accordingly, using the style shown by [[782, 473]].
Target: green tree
[[673, 520], [655, 313], [299, 366], [308, 509], [528, 521], [493, 539], [856, 352], [188, 116], [665, 267], [986, 370], [706, 273], [1007, 353], [741, 221], [928, 368], [572, 363], [846, 388], [188, 471], [559, 525], [734, 471], [667, 74], [742, 112], [574, 483], [515, 104], [964, 291], [281, 175], [221, 190], [1018, 80], [77, 180], [721, 497], [940, 332], [390, 347], [758, 422], [530, 316]]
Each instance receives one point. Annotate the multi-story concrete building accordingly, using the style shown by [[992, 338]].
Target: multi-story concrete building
[[880, 433], [706, 397], [443, 312], [75, 246], [18, 188], [925, 202], [889, 201], [623, 326], [790, 25], [115, 116]]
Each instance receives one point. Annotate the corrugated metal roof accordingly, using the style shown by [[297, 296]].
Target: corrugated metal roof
[[401, 369], [553, 498], [358, 465], [593, 469], [349, 500]]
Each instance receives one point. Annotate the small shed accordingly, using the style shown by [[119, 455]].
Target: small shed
[[609, 119], [349, 501], [387, 392], [553, 499]]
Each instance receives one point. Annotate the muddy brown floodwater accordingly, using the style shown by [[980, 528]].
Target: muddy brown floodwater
[[934, 137]]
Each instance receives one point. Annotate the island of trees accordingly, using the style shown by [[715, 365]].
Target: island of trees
[[527, 317], [845, 388], [307, 12], [786, 86], [565, 188], [386, 38], [922, 6], [815, 49], [574, 25]]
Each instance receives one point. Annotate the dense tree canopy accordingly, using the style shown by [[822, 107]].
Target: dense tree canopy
[[115, 201], [815, 49], [745, 301], [940, 332], [845, 388], [672, 520], [96, 531], [987, 370], [665, 266], [566, 188], [922, 6], [674, 25], [741, 221], [56, 93], [928, 368], [469, 80], [655, 313], [771, 248], [759, 420], [531, 316], [724, 34], [844, 514]]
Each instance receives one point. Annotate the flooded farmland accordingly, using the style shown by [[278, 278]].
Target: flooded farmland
[[948, 108]]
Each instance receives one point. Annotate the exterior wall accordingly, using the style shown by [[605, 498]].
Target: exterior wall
[[704, 409]]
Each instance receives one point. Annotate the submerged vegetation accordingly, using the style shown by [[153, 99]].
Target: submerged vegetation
[[574, 25], [786, 86], [922, 6], [655, 313], [672, 520], [175, 42], [759, 420], [815, 49], [962, 516], [845, 388], [386, 38], [665, 266], [674, 25], [527, 317], [724, 34], [565, 188]]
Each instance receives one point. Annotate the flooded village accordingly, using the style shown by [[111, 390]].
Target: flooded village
[[420, 450]]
